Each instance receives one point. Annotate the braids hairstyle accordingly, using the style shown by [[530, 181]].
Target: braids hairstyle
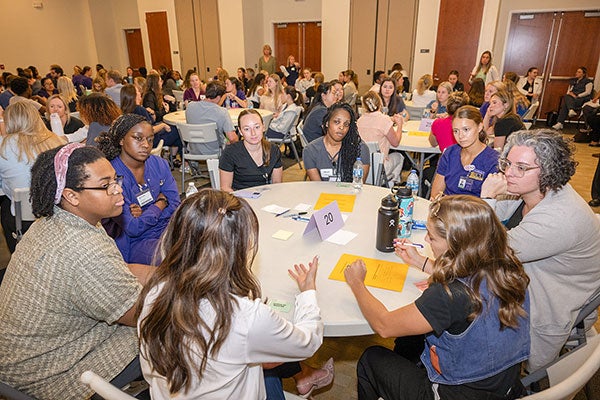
[[97, 107], [372, 101], [110, 142], [350, 149], [295, 95], [554, 155], [472, 113], [199, 268], [153, 86], [25, 125], [392, 103], [128, 96], [478, 251], [43, 179], [265, 144]]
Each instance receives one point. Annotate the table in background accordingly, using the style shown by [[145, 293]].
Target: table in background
[[418, 142], [179, 116], [339, 309]]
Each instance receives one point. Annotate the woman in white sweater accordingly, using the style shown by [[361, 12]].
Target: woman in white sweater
[[283, 120]]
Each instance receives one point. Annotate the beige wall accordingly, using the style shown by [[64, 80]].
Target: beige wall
[[45, 36], [232, 37], [335, 37]]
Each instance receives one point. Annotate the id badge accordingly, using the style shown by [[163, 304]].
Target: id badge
[[144, 197], [476, 175], [326, 173], [462, 182]]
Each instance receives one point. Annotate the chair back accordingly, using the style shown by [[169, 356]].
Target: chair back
[[157, 151], [200, 134], [300, 132], [178, 94], [103, 388], [571, 372], [213, 171], [376, 170], [23, 211], [11, 393], [416, 113]]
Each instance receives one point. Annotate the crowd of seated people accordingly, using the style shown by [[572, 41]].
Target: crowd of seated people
[[124, 205]]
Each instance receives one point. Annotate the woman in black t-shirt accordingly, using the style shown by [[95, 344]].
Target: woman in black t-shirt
[[474, 314]]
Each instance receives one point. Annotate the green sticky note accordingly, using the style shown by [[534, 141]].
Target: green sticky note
[[280, 305]]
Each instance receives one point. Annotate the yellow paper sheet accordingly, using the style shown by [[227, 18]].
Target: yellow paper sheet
[[345, 201], [418, 133], [380, 274]]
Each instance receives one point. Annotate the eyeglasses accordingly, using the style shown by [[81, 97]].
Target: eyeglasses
[[519, 169], [111, 188]]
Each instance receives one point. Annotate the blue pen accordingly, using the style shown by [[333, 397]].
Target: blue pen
[[300, 219]]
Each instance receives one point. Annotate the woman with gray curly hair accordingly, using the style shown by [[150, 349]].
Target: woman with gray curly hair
[[552, 230]]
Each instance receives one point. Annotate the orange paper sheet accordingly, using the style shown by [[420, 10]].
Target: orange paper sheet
[[345, 201], [418, 133], [380, 274]]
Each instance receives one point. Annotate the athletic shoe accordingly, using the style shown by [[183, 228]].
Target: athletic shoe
[[572, 113], [558, 126]]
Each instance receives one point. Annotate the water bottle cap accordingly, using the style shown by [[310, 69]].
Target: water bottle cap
[[413, 170], [358, 159], [389, 202], [404, 191], [191, 184]]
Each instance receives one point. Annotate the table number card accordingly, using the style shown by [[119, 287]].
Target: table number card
[[327, 221], [425, 125]]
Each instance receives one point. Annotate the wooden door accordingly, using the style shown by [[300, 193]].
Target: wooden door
[[158, 36], [301, 40], [311, 46], [135, 48], [458, 32], [546, 40], [287, 42]]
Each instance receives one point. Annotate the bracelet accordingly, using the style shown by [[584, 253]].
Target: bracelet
[[424, 264]]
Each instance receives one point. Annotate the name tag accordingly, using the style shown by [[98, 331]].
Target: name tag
[[326, 173], [476, 175], [144, 197]]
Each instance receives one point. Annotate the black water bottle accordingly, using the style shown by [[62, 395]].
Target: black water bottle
[[387, 224]]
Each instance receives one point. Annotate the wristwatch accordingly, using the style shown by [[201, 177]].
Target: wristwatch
[[163, 199]]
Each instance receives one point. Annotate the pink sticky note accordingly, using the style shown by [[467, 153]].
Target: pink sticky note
[[327, 220]]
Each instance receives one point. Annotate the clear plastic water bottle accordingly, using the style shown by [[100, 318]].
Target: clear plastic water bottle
[[191, 189], [357, 174], [56, 124], [413, 182]]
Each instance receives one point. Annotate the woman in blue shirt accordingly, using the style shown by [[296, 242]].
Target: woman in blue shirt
[[150, 191]]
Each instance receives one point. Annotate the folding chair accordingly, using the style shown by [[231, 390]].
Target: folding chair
[[213, 171], [416, 113], [201, 135], [289, 137], [103, 388], [178, 94], [23, 211], [571, 372], [529, 117], [377, 176], [157, 151]]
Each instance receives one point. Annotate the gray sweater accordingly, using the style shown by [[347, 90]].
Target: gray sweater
[[558, 242]]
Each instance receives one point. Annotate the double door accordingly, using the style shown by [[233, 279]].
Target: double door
[[557, 43], [301, 40]]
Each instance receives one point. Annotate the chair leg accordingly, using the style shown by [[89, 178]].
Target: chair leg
[[183, 172], [295, 153]]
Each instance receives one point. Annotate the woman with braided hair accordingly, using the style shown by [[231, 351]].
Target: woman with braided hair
[[331, 157], [150, 191]]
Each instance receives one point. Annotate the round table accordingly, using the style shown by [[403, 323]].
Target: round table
[[339, 309], [179, 116]]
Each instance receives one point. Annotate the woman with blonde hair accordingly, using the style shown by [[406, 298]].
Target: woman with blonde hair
[[374, 126], [274, 98], [485, 69], [203, 328], [505, 120], [267, 62], [56, 104], [422, 95], [473, 318], [98, 85], [67, 90], [26, 137], [521, 101], [438, 106]]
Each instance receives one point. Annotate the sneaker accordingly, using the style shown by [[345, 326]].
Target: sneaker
[[558, 126], [186, 169], [572, 113]]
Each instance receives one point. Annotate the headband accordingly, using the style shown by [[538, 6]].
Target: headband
[[61, 165]]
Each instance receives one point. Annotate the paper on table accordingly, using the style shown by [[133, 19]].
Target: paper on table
[[381, 274], [274, 209], [301, 207], [418, 133], [345, 201], [283, 235], [341, 237]]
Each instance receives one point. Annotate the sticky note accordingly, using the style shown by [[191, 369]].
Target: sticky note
[[283, 235]]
